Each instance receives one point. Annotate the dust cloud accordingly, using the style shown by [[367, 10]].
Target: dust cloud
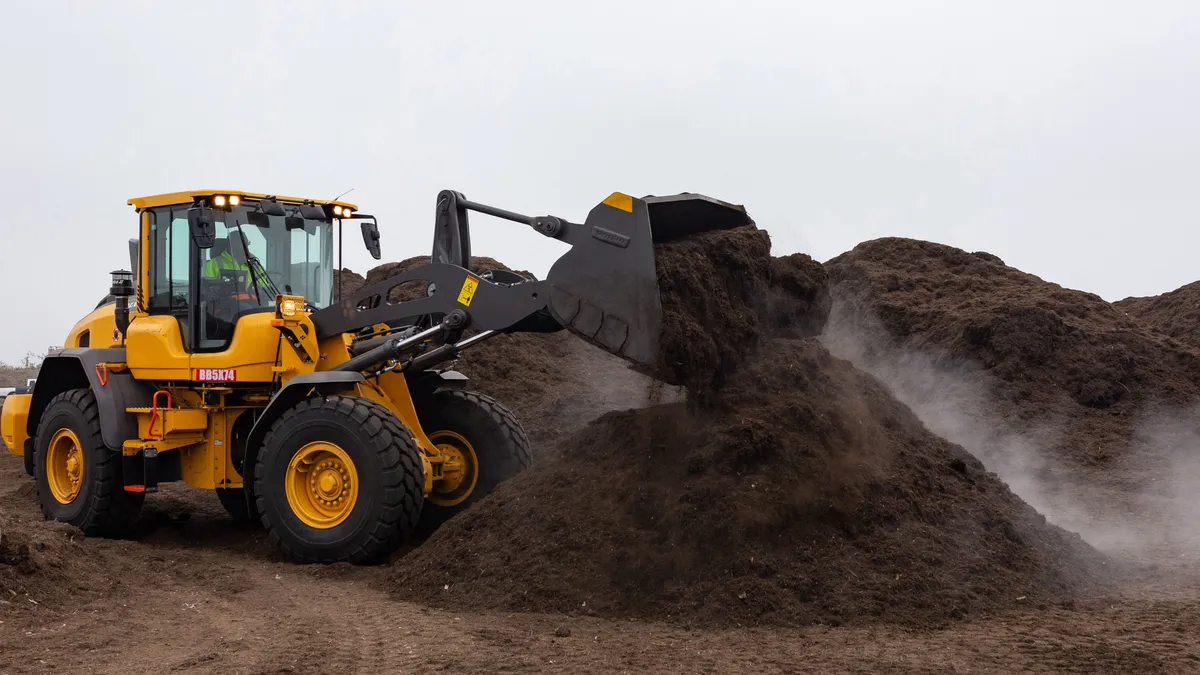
[[1167, 441], [953, 398]]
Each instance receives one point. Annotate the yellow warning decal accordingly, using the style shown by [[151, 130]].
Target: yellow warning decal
[[468, 291], [619, 200]]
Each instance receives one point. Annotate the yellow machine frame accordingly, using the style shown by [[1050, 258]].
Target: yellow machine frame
[[193, 419]]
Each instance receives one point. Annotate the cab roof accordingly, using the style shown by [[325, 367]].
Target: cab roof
[[189, 196]]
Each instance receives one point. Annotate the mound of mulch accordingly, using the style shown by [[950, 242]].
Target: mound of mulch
[[803, 494], [1175, 314], [1049, 357], [722, 293], [350, 281], [794, 490], [41, 561]]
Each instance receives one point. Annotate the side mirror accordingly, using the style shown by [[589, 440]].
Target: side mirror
[[370, 232], [201, 224]]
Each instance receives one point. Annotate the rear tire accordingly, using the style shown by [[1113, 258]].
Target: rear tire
[[496, 438], [83, 486], [357, 454], [28, 457]]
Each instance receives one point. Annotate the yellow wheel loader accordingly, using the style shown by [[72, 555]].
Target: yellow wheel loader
[[229, 359]]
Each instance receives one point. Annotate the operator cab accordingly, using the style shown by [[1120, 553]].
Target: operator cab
[[212, 257]]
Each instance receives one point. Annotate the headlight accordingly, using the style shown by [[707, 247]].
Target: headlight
[[290, 305], [234, 200], [219, 201]]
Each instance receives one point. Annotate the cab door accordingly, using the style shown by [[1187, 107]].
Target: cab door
[[234, 340], [158, 337]]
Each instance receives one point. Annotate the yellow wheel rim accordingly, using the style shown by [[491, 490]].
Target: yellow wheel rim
[[64, 466], [321, 485], [460, 469]]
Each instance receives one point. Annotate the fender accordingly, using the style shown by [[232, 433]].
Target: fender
[[76, 368], [422, 385], [297, 389]]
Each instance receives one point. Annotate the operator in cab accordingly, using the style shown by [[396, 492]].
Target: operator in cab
[[230, 285]]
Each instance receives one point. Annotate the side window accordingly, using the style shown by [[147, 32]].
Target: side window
[[169, 261], [309, 276]]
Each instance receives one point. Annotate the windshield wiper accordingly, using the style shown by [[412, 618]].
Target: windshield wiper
[[256, 268]]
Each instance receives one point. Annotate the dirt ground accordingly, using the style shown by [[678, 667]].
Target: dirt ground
[[203, 595]]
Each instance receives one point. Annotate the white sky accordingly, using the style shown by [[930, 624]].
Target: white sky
[[1062, 136]]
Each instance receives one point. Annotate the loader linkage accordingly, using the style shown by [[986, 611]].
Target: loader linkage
[[604, 289]]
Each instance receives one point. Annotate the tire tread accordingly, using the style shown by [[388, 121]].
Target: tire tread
[[402, 469], [112, 511]]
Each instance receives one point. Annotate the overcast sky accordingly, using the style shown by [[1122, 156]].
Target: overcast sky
[[1062, 136]]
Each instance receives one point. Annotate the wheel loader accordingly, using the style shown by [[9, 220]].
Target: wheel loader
[[228, 358]]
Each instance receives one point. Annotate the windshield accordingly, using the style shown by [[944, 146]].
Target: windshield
[[280, 254], [254, 258]]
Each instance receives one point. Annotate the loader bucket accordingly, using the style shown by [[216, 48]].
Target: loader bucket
[[605, 289]]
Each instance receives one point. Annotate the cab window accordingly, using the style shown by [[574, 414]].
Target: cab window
[[170, 263]]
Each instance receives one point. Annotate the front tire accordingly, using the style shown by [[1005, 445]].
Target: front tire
[[338, 479], [78, 478], [479, 433]]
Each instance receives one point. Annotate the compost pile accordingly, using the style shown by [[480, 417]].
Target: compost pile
[[1175, 314], [1048, 356], [722, 296], [38, 559], [349, 280], [790, 488]]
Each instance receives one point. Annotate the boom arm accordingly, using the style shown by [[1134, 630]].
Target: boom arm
[[604, 289], [488, 305]]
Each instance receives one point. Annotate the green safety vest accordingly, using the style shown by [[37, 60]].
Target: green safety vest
[[213, 267]]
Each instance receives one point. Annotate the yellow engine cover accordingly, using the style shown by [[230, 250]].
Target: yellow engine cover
[[97, 329]]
